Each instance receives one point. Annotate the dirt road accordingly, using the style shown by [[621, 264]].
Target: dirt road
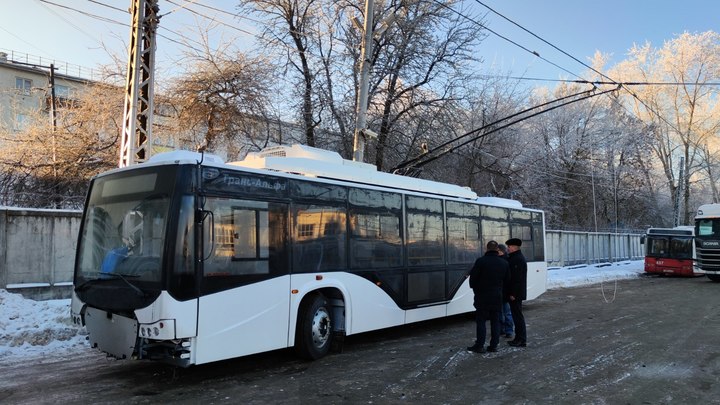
[[645, 341]]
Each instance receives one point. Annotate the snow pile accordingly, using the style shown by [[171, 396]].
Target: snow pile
[[43, 329], [36, 329], [592, 274]]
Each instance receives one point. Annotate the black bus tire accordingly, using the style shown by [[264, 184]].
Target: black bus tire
[[714, 277], [313, 334]]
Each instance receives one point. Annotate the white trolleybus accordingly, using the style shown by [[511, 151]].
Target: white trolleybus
[[188, 260]]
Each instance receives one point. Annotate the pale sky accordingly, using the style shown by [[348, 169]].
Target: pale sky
[[581, 27], [55, 31]]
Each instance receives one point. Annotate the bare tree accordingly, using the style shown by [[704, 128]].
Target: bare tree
[[289, 28], [420, 63], [221, 100], [42, 166]]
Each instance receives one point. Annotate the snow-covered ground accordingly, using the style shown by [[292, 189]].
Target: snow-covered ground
[[37, 330]]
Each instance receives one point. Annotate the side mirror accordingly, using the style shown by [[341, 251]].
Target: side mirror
[[207, 229]]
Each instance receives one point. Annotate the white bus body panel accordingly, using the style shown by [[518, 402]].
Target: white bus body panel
[[463, 300], [166, 308], [367, 308], [244, 320], [425, 313], [536, 279]]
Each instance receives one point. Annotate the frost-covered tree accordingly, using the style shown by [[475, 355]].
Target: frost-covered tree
[[681, 114]]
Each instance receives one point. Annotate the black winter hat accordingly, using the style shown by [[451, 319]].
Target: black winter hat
[[513, 242]]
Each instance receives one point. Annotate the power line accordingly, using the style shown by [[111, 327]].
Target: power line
[[95, 16], [601, 82], [614, 82], [412, 166], [214, 19], [483, 26], [109, 6], [178, 7], [546, 42]]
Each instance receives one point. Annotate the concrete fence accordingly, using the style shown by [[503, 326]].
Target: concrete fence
[[37, 250], [567, 248]]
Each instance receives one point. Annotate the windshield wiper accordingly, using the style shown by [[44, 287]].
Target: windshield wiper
[[122, 277]]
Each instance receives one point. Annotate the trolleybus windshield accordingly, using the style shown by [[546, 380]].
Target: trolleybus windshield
[[124, 232]]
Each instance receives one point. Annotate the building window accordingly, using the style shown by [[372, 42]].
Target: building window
[[62, 91], [21, 121], [23, 85]]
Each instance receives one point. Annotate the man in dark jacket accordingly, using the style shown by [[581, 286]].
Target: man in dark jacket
[[517, 291], [489, 277]]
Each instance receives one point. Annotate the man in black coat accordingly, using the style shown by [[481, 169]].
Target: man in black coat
[[517, 291], [489, 277]]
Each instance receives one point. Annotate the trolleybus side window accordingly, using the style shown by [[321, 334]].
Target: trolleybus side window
[[426, 248], [240, 239], [243, 242], [538, 231], [495, 225], [375, 226], [319, 237], [463, 229], [425, 231], [521, 228], [319, 226]]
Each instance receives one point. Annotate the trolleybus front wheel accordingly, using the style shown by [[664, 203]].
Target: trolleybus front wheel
[[313, 335]]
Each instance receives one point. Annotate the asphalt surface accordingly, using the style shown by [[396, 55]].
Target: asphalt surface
[[647, 341]]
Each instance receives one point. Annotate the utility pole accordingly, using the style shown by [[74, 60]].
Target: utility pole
[[53, 107], [362, 133], [362, 101], [679, 192], [136, 142], [53, 121]]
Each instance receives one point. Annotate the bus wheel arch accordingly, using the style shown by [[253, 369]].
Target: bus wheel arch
[[320, 323]]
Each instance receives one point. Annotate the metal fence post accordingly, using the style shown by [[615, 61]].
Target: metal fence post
[[3, 249]]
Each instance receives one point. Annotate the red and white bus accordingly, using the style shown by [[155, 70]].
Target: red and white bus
[[187, 259], [670, 251]]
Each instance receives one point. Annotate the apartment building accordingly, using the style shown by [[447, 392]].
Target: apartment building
[[25, 88]]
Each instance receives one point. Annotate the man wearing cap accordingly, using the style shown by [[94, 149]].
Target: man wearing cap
[[518, 290], [489, 277]]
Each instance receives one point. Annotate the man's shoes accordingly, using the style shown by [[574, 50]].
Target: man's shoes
[[508, 336], [491, 349], [476, 349], [517, 343]]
